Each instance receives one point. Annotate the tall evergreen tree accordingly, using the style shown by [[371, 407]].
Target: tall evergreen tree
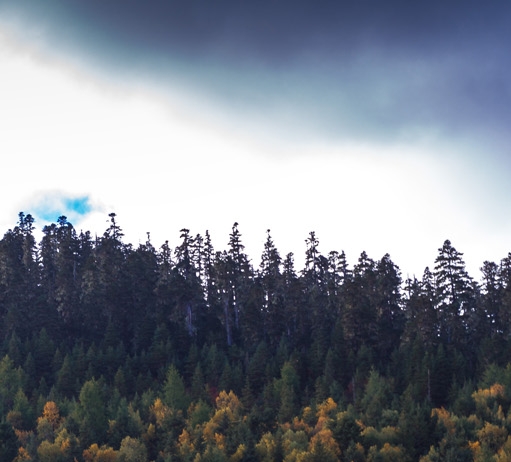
[[142, 272], [360, 312], [454, 293], [91, 413], [420, 312], [296, 325], [504, 279], [187, 283], [390, 315], [60, 271], [235, 276], [239, 271], [24, 304], [272, 285], [106, 286], [492, 297]]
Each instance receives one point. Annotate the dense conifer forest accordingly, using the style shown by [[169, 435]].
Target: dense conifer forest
[[112, 352]]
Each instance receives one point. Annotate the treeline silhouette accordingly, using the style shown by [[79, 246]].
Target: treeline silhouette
[[112, 352]]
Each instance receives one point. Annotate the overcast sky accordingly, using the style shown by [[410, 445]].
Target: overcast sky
[[381, 126]]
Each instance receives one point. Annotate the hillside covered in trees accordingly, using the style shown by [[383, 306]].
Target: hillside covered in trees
[[116, 353]]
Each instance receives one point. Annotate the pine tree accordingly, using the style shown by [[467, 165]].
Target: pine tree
[[8, 442], [237, 277], [504, 280], [454, 293], [491, 298], [142, 273], [295, 313], [360, 311], [390, 315], [287, 389], [22, 303], [420, 312], [187, 283], [174, 393], [91, 413], [272, 287]]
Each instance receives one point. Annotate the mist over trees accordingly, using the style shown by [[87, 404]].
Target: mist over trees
[[184, 353]]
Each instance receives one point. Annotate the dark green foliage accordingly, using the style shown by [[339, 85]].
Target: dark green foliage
[[8, 442], [287, 389], [454, 294], [377, 397], [11, 381], [136, 344], [174, 394], [345, 429], [91, 413], [440, 377]]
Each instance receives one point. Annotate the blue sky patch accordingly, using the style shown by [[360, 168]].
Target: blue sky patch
[[79, 205], [53, 205]]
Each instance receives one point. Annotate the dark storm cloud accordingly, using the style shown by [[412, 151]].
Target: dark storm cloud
[[271, 31], [365, 68], [274, 30]]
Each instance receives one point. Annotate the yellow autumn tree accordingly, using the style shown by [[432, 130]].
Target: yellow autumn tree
[[217, 431], [492, 436], [99, 454], [504, 453], [186, 446], [323, 445], [388, 453], [62, 449], [23, 456], [487, 402], [266, 448], [132, 450], [48, 422], [160, 412], [294, 445]]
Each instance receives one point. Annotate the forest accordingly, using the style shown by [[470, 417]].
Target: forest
[[111, 352]]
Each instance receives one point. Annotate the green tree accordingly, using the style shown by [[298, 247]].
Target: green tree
[[126, 422], [91, 414], [174, 393], [44, 351], [420, 312], [142, 272], [234, 277], [8, 442], [295, 313], [287, 388], [360, 311], [132, 450], [271, 284], [22, 415], [11, 381], [455, 294], [22, 303], [106, 288], [188, 284], [256, 372], [163, 290], [504, 288], [377, 397], [345, 428], [390, 315], [492, 297]]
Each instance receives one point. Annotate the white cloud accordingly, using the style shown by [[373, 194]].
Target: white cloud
[[162, 165]]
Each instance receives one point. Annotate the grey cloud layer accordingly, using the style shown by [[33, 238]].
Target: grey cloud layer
[[367, 68]]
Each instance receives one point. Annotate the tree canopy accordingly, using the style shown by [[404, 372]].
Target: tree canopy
[[115, 352]]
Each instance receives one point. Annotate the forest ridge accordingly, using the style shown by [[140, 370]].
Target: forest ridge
[[112, 352]]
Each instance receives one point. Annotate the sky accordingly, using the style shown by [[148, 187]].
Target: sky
[[381, 126]]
